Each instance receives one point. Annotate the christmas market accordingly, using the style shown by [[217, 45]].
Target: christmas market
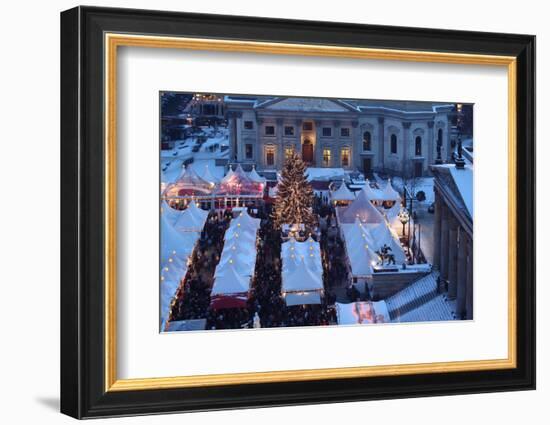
[[291, 240]]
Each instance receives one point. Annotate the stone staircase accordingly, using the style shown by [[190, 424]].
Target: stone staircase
[[419, 302], [385, 285], [433, 310]]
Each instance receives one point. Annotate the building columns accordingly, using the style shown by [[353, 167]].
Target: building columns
[[461, 271], [469, 303], [430, 146], [381, 142], [451, 274], [279, 137], [437, 230], [406, 131], [444, 244], [298, 145]]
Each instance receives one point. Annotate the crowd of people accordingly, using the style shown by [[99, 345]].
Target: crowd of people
[[192, 299], [265, 300]]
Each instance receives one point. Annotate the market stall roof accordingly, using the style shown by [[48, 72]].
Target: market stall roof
[[239, 235], [302, 298], [192, 219], [342, 193], [230, 282], [380, 235], [244, 221], [242, 261], [361, 254], [170, 213], [370, 193], [389, 193], [361, 208], [302, 278], [174, 243], [293, 252]]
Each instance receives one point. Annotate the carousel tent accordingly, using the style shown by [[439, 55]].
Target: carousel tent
[[192, 219], [255, 177], [228, 176], [342, 193], [189, 183], [209, 177], [361, 208], [362, 313], [238, 183]]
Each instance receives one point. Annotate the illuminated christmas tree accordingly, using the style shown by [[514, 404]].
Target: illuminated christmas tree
[[294, 201]]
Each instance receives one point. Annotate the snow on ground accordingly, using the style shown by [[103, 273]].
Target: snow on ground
[[202, 161], [425, 184], [171, 161]]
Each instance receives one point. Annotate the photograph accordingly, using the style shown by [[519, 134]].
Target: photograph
[[283, 211]]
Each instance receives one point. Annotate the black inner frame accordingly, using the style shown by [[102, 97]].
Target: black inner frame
[[82, 207]]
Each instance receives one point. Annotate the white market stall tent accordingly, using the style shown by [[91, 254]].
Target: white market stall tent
[[361, 208], [342, 195], [170, 213], [191, 219], [302, 272], [176, 246], [235, 269]]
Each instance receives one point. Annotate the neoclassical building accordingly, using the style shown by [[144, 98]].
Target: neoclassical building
[[453, 234], [397, 137]]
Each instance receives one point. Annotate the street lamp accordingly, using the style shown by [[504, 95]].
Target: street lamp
[[403, 218]]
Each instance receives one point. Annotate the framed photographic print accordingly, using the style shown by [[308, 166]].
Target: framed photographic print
[[261, 212]]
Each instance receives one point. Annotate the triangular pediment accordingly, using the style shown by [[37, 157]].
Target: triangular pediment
[[306, 104]]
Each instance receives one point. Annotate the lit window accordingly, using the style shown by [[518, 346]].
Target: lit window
[[288, 152], [269, 130], [393, 143], [307, 126], [367, 141], [418, 146], [345, 157], [248, 151], [270, 155], [326, 157], [344, 132], [289, 130], [327, 131], [248, 125]]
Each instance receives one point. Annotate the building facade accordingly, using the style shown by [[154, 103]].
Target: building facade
[[396, 137], [453, 234]]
